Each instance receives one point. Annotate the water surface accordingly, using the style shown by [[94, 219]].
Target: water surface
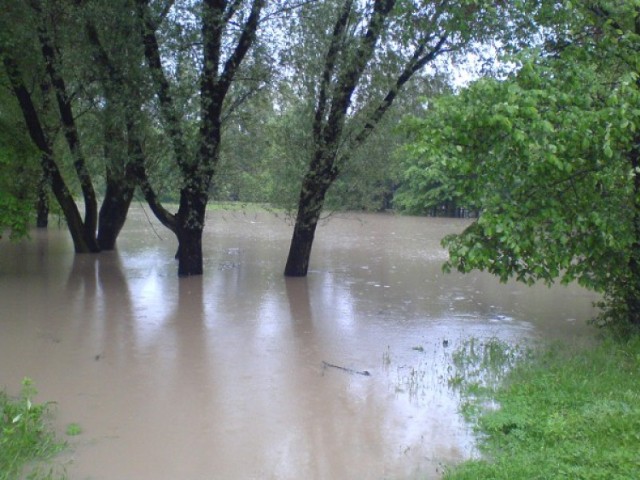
[[221, 376]]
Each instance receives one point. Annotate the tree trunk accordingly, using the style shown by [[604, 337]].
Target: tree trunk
[[190, 252], [113, 212], [42, 205], [120, 182], [301, 243], [633, 295], [312, 195], [82, 242], [190, 225], [50, 54], [633, 289]]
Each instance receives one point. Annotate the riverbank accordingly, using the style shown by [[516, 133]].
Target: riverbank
[[559, 413]]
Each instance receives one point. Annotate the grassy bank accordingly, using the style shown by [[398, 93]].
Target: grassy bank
[[559, 413], [26, 439]]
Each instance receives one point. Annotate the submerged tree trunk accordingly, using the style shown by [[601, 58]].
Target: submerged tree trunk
[[312, 195], [189, 222], [120, 180], [122, 148], [189, 231], [113, 212], [302, 239]]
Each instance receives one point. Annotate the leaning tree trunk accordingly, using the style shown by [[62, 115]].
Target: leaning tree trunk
[[82, 242], [51, 56], [312, 195], [301, 242]]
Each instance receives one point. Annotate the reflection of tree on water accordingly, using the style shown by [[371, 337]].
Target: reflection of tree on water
[[345, 420], [101, 305], [299, 304]]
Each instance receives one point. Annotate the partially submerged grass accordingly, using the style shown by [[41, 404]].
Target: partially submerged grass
[[26, 438], [559, 413]]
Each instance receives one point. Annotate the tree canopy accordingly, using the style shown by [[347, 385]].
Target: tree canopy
[[19, 174], [549, 156]]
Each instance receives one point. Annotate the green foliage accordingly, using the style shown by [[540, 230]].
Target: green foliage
[[547, 156], [264, 154], [73, 429], [19, 174], [563, 413], [25, 436]]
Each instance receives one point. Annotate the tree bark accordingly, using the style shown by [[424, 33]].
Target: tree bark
[[633, 289], [302, 239], [113, 212], [42, 204], [633, 292], [190, 226], [312, 195]]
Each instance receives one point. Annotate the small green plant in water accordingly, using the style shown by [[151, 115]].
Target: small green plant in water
[[73, 429], [25, 436]]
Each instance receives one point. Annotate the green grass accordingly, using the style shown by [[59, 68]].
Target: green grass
[[563, 413], [26, 439]]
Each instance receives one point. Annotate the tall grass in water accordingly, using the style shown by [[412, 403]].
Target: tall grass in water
[[560, 412], [25, 437]]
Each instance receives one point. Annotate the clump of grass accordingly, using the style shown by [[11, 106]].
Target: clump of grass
[[563, 413], [479, 366], [73, 429], [25, 435]]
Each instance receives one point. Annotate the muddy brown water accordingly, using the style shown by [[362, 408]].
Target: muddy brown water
[[222, 376]]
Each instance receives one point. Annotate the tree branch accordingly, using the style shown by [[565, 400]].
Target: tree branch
[[49, 167], [329, 67], [167, 104], [244, 43], [418, 61]]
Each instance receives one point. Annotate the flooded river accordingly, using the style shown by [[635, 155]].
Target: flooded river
[[222, 376]]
